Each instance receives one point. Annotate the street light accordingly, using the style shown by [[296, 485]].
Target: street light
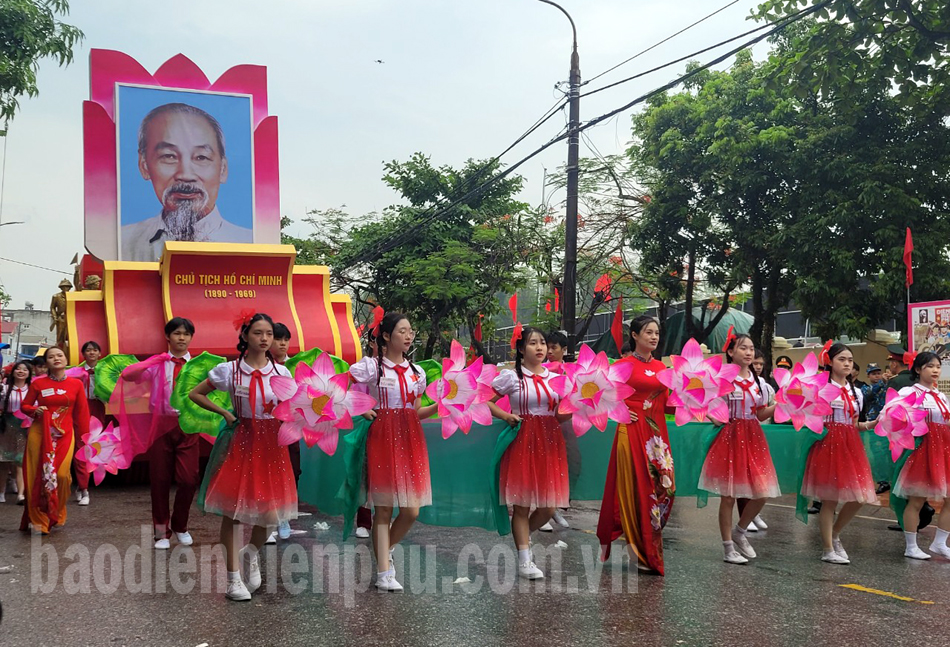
[[570, 247]]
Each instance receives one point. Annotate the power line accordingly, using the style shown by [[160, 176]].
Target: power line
[[39, 267], [665, 40]]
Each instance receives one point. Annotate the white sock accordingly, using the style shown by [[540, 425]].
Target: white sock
[[940, 538], [391, 571], [234, 576], [524, 555], [252, 552], [741, 530], [728, 546], [910, 539]]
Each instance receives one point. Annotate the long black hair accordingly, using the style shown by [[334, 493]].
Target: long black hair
[[242, 344], [836, 349], [520, 346], [9, 382], [735, 342], [386, 327], [921, 361], [637, 324]]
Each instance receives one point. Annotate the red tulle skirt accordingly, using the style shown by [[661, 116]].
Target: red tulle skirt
[[249, 477], [837, 468], [927, 470], [397, 461], [739, 463], [533, 471]]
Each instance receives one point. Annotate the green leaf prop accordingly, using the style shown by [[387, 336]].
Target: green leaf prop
[[433, 370], [192, 418], [108, 370], [310, 356]]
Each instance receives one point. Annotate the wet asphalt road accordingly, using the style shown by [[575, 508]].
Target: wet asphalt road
[[784, 597]]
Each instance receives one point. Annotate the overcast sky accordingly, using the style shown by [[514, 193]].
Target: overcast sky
[[460, 79]]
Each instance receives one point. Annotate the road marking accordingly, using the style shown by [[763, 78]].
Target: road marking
[[863, 589]]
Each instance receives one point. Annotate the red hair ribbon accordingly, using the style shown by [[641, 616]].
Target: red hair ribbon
[[378, 313], [823, 357], [515, 336], [513, 306], [730, 337], [243, 318], [909, 357]]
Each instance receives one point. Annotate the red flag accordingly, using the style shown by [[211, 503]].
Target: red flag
[[477, 333], [908, 251], [557, 300], [513, 306], [616, 328], [547, 306]]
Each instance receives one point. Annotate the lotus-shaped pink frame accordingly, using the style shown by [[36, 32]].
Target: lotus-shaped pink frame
[[804, 395], [109, 67], [901, 421], [463, 392], [593, 390], [697, 385], [102, 451]]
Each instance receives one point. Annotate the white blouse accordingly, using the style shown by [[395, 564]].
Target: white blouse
[[235, 377], [16, 397], [934, 403], [840, 410], [399, 386], [747, 397], [531, 395]]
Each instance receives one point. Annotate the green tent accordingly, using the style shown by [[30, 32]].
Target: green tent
[[676, 329]]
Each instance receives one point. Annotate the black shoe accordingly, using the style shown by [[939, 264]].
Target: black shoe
[[815, 507], [882, 487], [895, 526]]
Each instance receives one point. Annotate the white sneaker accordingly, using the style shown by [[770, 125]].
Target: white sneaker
[[387, 582], [559, 520], [251, 570], [942, 550], [283, 530], [3, 497], [362, 533], [733, 557], [546, 527], [162, 544], [752, 527], [530, 571], [237, 591], [185, 538], [84, 497], [834, 558], [839, 549], [742, 544], [78, 496], [760, 522], [271, 538], [916, 553]]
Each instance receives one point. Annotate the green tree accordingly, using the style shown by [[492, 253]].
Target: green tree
[[29, 32]]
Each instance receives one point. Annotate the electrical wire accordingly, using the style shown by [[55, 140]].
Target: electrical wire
[[40, 267]]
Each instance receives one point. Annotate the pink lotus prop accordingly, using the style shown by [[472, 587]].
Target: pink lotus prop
[[804, 395], [697, 385], [103, 450], [316, 403], [900, 421], [463, 392], [593, 391], [27, 420]]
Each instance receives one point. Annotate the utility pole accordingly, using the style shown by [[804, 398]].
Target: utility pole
[[569, 296]]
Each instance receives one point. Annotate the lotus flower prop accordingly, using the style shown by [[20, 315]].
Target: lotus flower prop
[[103, 450], [26, 420], [900, 421], [462, 392], [316, 403], [697, 385], [804, 395], [594, 390]]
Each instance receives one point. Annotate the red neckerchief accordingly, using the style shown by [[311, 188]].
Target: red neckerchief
[[848, 401], [746, 388], [944, 411], [407, 396], [539, 384], [178, 362]]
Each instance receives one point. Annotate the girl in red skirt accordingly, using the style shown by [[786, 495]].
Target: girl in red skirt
[[739, 464], [249, 478], [396, 456], [533, 470], [837, 468], [926, 474]]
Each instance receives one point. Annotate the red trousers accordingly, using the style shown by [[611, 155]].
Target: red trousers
[[173, 454]]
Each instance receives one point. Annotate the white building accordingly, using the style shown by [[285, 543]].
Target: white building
[[26, 331]]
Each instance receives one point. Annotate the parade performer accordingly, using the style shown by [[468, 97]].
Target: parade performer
[[738, 464], [533, 471], [279, 352], [249, 479], [397, 460], [91, 351], [640, 487], [925, 474], [12, 432], [758, 367], [59, 409], [837, 468], [171, 451]]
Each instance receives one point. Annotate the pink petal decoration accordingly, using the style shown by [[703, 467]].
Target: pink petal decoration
[[804, 395], [593, 391], [698, 386], [316, 404], [901, 421], [102, 451], [463, 392]]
